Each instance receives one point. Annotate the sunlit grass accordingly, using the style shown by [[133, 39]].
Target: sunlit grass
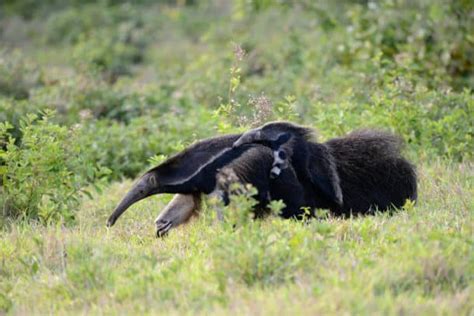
[[419, 260]]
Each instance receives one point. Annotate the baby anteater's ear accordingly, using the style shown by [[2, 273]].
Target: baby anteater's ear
[[282, 139], [280, 162]]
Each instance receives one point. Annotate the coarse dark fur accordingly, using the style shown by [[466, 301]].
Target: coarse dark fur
[[355, 174], [373, 174]]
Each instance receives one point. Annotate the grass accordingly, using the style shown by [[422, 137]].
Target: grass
[[417, 261]]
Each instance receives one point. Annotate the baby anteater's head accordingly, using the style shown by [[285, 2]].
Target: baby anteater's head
[[280, 162]]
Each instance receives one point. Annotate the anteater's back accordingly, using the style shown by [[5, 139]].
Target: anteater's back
[[373, 174]]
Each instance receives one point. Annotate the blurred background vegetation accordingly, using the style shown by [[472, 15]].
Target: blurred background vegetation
[[94, 91]]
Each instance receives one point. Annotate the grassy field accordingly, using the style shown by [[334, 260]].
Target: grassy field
[[418, 261], [93, 93]]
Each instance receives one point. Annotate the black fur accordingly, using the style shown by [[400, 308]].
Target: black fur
[[373, 174], [356, 174]]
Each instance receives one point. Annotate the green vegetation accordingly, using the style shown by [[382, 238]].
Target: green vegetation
[[94, 93]]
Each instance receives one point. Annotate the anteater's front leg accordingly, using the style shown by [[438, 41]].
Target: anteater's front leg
[[178, 211]]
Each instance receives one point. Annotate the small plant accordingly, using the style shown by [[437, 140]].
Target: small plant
[[230, 108], [276, 206], [44, 175], [240, 210], [286, 109], [258, 109]]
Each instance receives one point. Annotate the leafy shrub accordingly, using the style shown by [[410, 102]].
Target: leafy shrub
[[432, 123], [81, 98], [12, 111], [44, 175], [85, 96], [108, 52], [68, 25], [17, 75], [429, 37], [107, 39]]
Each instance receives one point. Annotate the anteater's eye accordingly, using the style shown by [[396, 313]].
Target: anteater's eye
[[282, 154]]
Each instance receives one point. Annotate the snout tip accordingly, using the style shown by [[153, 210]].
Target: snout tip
[[110, 222]]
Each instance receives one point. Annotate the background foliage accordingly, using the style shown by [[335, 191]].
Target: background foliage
[[93, 92]]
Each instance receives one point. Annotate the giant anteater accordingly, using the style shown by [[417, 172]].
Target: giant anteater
[[355, 174]]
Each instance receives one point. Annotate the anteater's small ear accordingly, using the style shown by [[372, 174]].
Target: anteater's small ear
[[152, 180], [323, 174], [282, 139]]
